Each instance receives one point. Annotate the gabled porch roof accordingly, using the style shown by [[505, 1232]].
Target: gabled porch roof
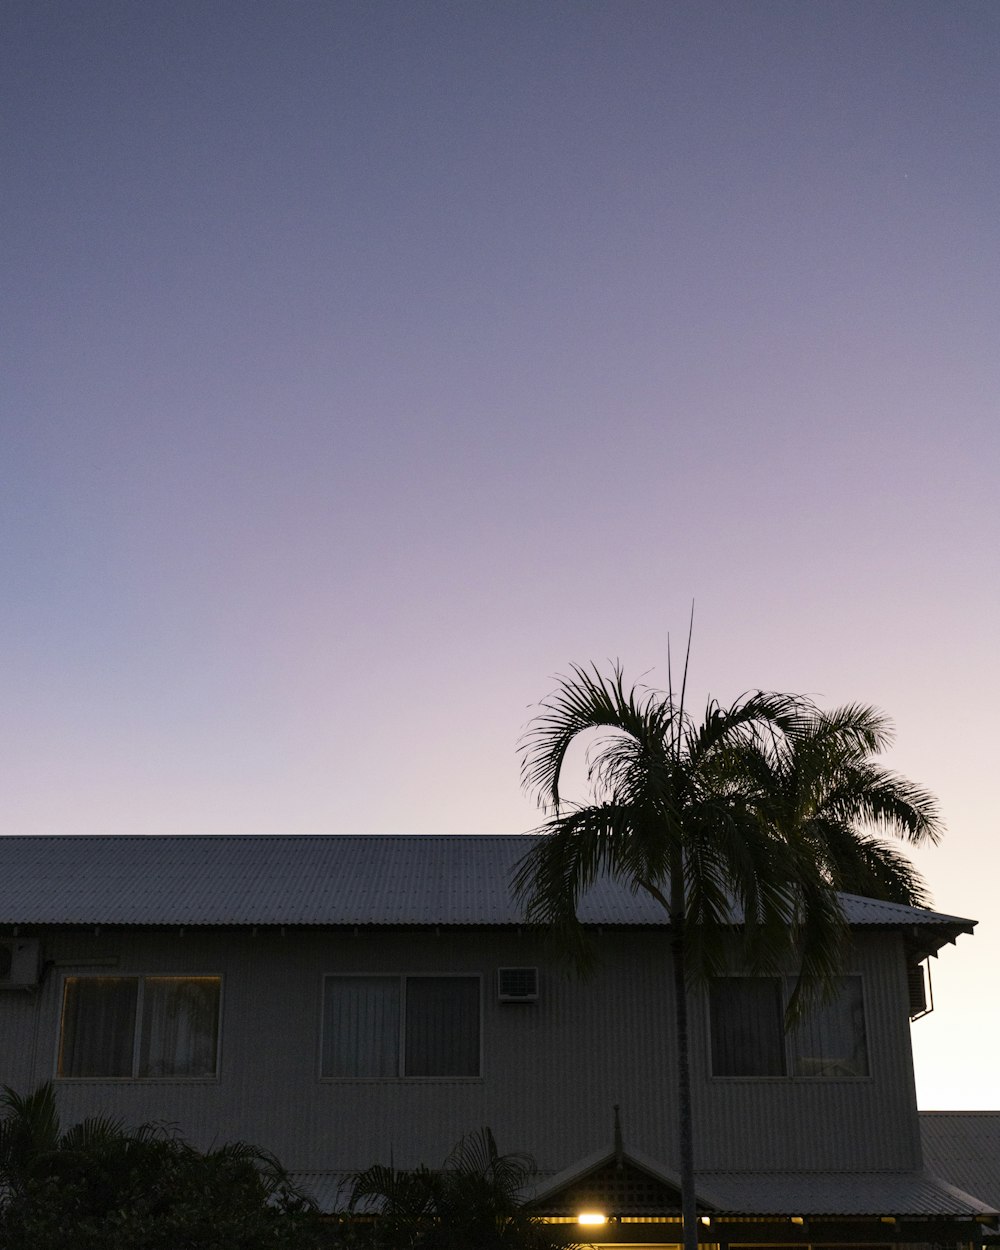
[[627, 1184], [635, 1185], [619, 1181]]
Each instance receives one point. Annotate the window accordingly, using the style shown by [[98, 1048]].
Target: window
[[139, 1027], [376, 1026], [832, 1040], [747, 1030], [748, 1036]]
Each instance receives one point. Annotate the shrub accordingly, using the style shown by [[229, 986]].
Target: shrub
[[102, 1186], [473, 1200]]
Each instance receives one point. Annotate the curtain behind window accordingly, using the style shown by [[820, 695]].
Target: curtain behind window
[[98, 1026], [180, 1026], [832, 1041]]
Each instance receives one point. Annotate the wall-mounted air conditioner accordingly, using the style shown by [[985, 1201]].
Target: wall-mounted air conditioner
[[20, 963], [917, 985], [517, 985]]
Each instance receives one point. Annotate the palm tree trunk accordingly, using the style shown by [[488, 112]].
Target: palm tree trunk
[[685, 1119]]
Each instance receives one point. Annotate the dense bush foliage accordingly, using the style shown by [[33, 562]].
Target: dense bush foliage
[[101, 1186]]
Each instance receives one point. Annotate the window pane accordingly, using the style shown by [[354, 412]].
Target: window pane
[[832, 1040], [98, 1026], [747, 1030], [180, 1026], [442, 1026], [361, 1026]]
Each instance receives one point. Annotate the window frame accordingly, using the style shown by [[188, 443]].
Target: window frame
[[401, 978], [791, 1053], [134, 1077]]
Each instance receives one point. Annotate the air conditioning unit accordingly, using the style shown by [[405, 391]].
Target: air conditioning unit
[[20, 963], [517, 985], [916, 985]]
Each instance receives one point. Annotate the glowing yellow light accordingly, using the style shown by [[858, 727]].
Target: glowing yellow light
[[591, 1217], [797, 1219], [706, 1219]]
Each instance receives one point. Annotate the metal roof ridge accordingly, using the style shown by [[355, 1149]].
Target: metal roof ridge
[[959, 1111], [266, 837]]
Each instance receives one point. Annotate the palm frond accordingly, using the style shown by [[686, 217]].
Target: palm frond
[[92, 1133], [394, 1192], [858, 862], [868, 794], [821, 935], [477, 1154], [34, 1115], [574, 851], [857, 727], [584, 701]]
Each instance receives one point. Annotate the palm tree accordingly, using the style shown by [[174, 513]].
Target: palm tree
[[755, 816]]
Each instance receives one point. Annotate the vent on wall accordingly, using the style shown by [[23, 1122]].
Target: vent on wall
[[20, 962], [517, 985]]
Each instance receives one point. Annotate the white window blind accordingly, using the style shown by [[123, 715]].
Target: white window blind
[[361, 1027], [413, 1026]]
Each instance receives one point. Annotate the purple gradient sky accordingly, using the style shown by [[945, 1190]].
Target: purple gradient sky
[[366, 363]]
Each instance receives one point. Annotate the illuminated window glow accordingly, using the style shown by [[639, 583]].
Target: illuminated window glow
[[130, 1027]]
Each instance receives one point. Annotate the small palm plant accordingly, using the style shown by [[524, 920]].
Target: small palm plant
[[474, 1199]]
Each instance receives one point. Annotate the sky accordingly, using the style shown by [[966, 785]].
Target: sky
[[366, 364]]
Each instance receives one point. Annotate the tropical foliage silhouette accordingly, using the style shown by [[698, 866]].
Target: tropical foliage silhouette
[[752, 818]]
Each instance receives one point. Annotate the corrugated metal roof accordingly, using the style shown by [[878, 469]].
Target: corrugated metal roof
[[762, 1194], [840, 1193], [317, 880], [757, 1194], [964, 1148], [329, 1190]]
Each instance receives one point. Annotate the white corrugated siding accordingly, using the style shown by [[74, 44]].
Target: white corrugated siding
[[552, 1071], [863, 1123]]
